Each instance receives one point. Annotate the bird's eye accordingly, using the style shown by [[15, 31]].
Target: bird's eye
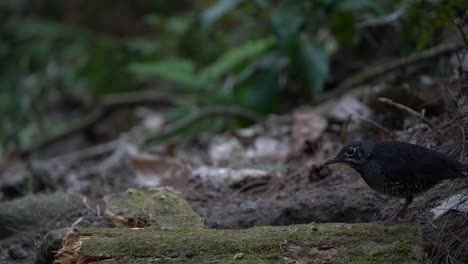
[[350, 151]]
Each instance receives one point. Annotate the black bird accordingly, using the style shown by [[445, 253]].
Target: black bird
[[399, 169]]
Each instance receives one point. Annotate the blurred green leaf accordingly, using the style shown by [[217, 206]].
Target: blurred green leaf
[[183, 71], [357, 5], [287, 21], [315, 65], [343, 27], [36, 29], [262, 92], [14, 5], [236, 56], [145, 46], [179, 71], [178, 24], [213, 13]]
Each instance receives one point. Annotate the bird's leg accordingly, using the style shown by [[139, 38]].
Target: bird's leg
[[402, 211]]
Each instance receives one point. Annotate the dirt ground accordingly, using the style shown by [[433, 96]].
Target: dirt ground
[[293, 189]]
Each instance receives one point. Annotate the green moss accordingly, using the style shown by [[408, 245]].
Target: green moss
[[402, 247], [173, 229], [397, 252], [356, 243], [160, 208]]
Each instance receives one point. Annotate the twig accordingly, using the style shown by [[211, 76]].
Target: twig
[[459, 23], [88, 153], [344, 129], [406, 109], [108, 105], [77, 222], [145, 137], [388, 18], [203, 114], [377, 70], [462, 153], [376, 125], [383, 20]]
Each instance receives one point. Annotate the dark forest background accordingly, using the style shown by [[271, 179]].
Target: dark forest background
[[59, 59]]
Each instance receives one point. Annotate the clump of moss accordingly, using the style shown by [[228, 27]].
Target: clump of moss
[[398, 251], [160, 208]]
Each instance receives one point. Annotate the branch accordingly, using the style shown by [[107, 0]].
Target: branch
[[145, 137], [108, 105], [459, 22], [375, 71], [406, 109], [203, 114]]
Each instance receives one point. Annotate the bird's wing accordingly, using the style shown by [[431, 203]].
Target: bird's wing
[[414, 163]]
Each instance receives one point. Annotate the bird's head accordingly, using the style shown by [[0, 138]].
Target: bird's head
[[355, 153]]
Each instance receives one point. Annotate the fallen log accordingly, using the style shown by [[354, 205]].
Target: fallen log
[[185, 240], [314, 243]]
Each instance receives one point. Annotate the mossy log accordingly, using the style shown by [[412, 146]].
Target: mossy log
[[314, 243], [36, 211], [186, 241]]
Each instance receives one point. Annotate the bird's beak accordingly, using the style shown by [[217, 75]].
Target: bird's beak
[[334, 160]]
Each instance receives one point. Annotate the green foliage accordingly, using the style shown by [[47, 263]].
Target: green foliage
[[179, 71], [235, 57], [182, 72], [259, 88], [425, 22], [287, 21], [357, 5], [296, 25], [220, 52], [44, 62], [314, 65], [215, 12]]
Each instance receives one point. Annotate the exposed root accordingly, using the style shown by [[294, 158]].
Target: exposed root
[[70, 253]]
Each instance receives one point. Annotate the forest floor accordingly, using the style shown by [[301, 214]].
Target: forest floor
[[271, 173]]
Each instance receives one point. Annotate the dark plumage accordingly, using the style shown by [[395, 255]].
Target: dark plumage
[[399, 169]]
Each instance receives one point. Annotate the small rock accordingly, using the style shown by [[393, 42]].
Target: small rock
[[307, 127], [249, 132], [223, 150], [268, 149], [349, 106], [226, 176], [151, 169], [151, 120], [18, 253], [189, 254], [457, 202]]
